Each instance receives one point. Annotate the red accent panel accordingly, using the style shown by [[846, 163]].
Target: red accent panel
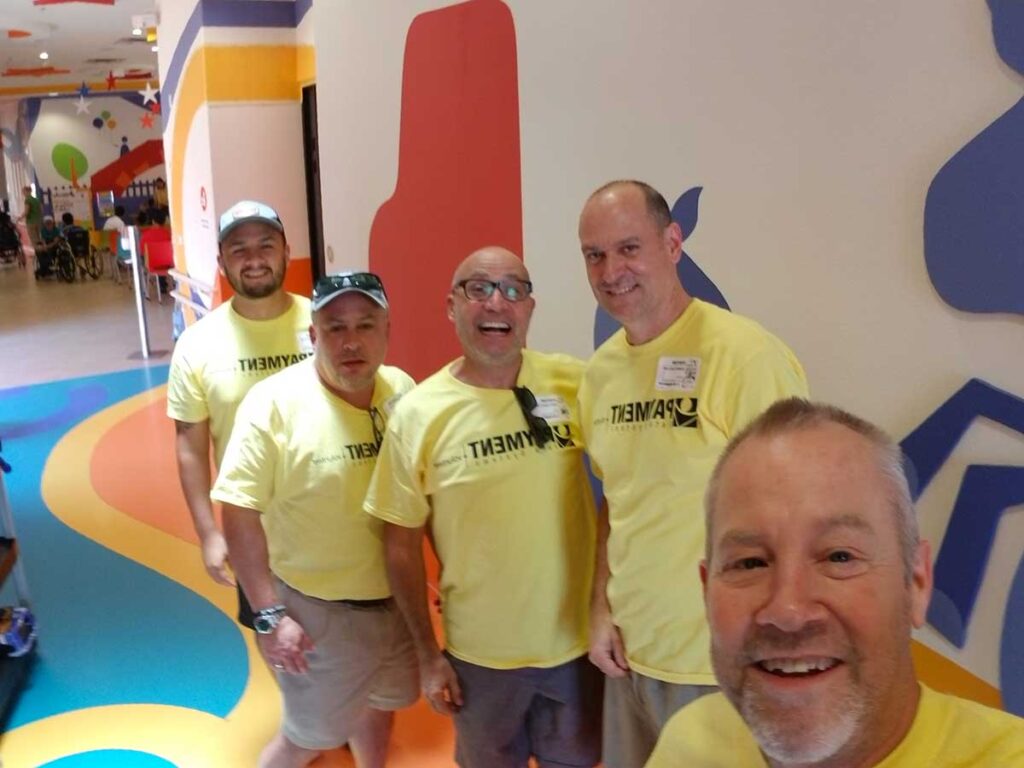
[[459, 184], [120, 173]]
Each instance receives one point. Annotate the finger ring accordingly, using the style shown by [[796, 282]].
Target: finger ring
[[279, 666]]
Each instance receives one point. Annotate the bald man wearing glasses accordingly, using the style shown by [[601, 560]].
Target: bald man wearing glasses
[[486, 455], [292, 483]]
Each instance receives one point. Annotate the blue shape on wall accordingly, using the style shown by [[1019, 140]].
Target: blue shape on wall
[[973, 225], [985, 493], [697, 284]]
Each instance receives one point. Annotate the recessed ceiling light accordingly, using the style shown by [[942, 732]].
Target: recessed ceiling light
[[44, 55], [53, 93], [137, 31], [155, 48]]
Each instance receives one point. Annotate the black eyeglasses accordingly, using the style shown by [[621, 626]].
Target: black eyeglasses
[[378, 425], [364, 281], [477, 289], [540, 430]]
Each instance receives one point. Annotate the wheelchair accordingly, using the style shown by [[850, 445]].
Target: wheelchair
[[10, 243], [83, 254]]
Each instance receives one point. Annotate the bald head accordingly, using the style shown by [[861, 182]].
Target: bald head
[[654, 201], [491, 259]]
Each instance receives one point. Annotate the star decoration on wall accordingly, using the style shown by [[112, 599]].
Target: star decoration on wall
[[146, 120], [83, 91], [149, 94], [155, 107], [82, 105], [111, 81]]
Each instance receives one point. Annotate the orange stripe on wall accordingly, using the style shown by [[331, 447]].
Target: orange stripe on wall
[[942, 674]]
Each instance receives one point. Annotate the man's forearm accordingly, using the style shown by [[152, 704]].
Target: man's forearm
[[247, 547], [192, 447], [406, 572], [599, 591]]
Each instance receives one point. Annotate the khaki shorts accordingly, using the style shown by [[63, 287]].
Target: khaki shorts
[[363, 658], [636, 708]]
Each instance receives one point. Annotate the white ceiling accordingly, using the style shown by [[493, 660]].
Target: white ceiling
[[84, 36]]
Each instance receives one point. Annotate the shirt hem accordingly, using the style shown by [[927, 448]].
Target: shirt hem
[[676, 678], [506, 665]]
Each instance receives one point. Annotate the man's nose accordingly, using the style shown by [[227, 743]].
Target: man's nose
[[612, 267], [793, 599]]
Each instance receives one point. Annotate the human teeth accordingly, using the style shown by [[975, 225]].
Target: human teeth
[[798, 666], [494, 326]]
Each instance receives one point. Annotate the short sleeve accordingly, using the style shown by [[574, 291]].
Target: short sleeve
[[772, 373], [186, 398], [396, 492], [247, 471]]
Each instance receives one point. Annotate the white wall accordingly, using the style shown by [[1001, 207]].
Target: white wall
[[815, 130]]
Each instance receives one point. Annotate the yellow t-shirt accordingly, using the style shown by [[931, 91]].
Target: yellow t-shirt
[[513, 526], [947, 732], [217, 360], [655, 418], [303, 457]]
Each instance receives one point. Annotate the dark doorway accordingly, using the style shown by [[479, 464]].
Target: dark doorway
[[311, 147]]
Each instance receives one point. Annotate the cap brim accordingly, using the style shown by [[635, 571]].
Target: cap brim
[[239, 222], [323, 301]]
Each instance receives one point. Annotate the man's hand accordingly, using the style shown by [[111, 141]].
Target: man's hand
[[441, 685], [285, 648], [607, 651], [215, 558]]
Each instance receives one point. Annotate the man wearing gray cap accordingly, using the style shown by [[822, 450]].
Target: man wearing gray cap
[[292, 483], [261, 329]]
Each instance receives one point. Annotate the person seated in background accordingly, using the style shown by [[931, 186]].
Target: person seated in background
[[48, 234], [142, 218], [115, 222], [158, 233], [814, 578]]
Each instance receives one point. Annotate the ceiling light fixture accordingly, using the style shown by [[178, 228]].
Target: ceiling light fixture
[[44, 55], [53, 93], [137, 31], [155, 48]]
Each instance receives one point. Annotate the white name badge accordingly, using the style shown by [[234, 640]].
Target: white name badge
[[305, 343], [551, 408], [677, 373]]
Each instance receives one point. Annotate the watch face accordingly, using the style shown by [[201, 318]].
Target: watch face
[[263, 625]]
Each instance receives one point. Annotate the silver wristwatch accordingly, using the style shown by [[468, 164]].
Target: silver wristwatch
[[266, 620]]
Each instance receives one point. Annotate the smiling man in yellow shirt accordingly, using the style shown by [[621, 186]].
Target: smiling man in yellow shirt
[[310, 561], [814, 578], [658, 402], [486, 455]]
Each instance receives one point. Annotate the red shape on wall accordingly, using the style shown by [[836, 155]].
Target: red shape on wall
[[459, 185], [120, 173]]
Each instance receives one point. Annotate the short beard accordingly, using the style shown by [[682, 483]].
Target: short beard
[[259, 291], [801, 742]]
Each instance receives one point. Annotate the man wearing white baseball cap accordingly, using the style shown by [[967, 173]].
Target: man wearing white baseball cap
[[292, 483], [261, 329]]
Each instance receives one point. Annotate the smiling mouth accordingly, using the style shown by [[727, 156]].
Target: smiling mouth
[[809, 666], [619, 291], [495, 329]]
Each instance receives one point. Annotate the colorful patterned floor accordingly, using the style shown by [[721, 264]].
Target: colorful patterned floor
[[139, 661]]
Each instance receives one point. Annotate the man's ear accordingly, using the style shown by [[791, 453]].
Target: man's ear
[[312, 334], [674, 241], [921, 583], [449, 304]]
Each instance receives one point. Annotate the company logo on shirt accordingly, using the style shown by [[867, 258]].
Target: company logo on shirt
[[353, 452], [509, 445], [669, 411], [270, 362]]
